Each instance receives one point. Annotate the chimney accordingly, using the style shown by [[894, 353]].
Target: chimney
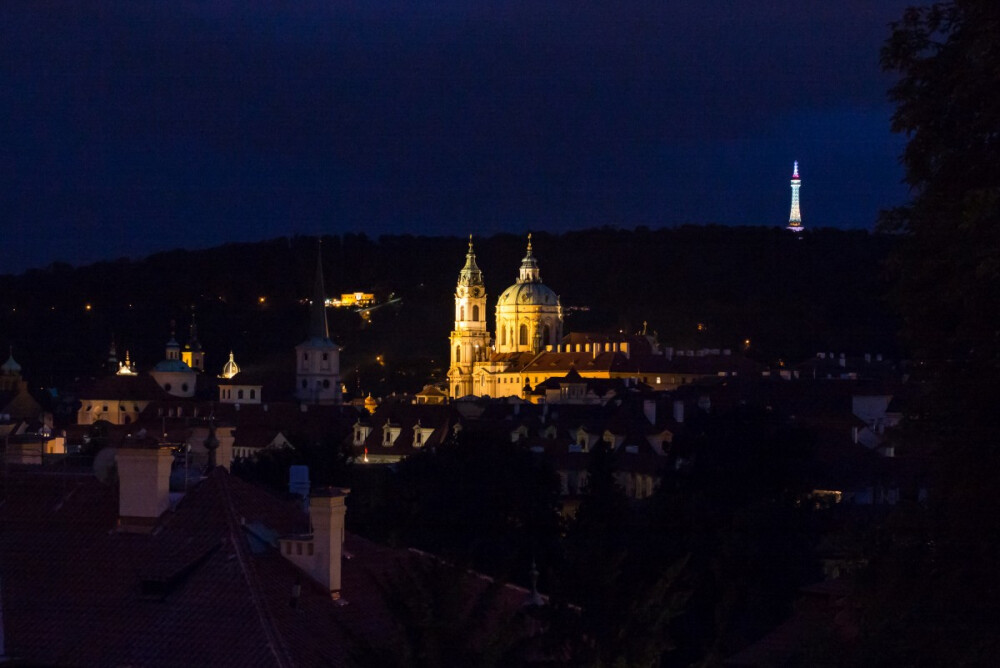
[[144, 486], [319, 555], [668, 352], [843, 360], [868, 358], [649, 409], [678, 411]]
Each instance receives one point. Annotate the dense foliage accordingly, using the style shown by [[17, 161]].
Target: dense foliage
[[933, 587]]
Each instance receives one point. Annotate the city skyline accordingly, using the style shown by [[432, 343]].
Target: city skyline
[[131, 129]]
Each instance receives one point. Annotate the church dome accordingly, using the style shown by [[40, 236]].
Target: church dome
[[175, 366], [528, 294], [231, 368]]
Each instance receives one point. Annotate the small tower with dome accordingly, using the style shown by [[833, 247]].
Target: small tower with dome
[[172, 374], [470, 339]]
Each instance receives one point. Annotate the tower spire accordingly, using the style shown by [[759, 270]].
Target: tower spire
[[529, 267], [795, 216], [318, 328]]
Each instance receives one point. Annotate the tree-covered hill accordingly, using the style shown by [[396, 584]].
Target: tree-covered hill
[[790, 295]]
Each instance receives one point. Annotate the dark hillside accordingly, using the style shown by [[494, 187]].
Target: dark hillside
[[791, 296]]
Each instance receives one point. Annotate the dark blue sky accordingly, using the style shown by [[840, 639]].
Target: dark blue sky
[[127, 128]]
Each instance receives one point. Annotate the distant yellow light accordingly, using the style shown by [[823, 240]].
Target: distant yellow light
[[701, 327], [261, 300], [87, 307]]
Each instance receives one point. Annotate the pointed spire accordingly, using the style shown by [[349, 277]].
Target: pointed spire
[[11, 367], [318, 328], [193, 343], [529, 267], [795, 170], [113, 355]]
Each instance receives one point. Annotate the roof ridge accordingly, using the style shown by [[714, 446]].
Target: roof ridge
[[274, 638]]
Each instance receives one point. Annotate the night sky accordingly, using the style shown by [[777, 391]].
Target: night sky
[[127, 128]]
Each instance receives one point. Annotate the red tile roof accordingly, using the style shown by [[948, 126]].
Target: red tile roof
[[193, 593]]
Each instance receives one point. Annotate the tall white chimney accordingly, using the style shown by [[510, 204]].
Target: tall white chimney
[[143, 486], [319, 555]]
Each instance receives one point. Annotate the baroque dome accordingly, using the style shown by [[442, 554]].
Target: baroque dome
[[528, 294]]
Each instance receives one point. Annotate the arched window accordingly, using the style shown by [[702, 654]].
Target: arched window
[[546, 334], [253, 394], [522, 337], [458, 353], [503, 336], [475, 313], [239, 394], [461, 313], [456, 390]]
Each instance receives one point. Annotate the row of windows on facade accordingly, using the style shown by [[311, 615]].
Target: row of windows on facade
[[390, 435], [325, 383], [515, 380], [635, 485], [305, 357], [228, 394], [121, 407], [506, 335]]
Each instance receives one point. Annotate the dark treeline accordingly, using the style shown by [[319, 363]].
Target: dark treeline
[[791, 295]]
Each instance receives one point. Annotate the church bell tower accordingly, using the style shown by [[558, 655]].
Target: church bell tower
[[317, 374], [469, 340]]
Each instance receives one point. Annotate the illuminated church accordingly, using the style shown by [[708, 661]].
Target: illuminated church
[[529, 357], [529, 319]]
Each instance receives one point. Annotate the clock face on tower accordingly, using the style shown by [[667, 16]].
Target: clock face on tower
[[475, 291]]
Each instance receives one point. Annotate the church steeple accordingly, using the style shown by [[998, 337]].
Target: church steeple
[[318, 328], [469, 339], [318, 368], [192, 354]]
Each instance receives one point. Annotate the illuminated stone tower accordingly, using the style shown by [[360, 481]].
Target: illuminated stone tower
[[318, 367], [469, 340], [795, 217]]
